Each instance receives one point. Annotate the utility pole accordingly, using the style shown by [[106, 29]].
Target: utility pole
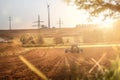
[[60, 23], [38, 22], [48, 6], [10, 24]]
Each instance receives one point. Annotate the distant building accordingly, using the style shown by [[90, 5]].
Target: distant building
[[44, 27], [86, 25], [3, 40]]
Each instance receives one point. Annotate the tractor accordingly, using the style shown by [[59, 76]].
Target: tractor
[[74, 49]]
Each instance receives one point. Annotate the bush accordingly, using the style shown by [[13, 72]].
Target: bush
[[40, 40], [23, 39], [112, 73], [26, 39], [58, 40]]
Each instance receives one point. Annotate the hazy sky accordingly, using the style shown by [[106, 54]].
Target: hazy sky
[[25, 12]]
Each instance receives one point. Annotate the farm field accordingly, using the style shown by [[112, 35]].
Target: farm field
[[55, 63], [60, 40]]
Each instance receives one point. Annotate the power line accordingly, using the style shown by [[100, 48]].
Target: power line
[[50, 1]]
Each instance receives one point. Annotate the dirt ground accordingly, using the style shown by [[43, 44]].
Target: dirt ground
[[55, 63]]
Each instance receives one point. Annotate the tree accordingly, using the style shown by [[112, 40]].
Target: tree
[[96, 7]]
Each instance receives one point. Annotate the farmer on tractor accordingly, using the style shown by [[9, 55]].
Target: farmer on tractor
[[74, 49]]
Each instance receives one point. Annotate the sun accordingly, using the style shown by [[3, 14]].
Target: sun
[[101, 20], [76, 17], [107, 23]]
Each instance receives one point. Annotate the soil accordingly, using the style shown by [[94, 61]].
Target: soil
[[55, 63]]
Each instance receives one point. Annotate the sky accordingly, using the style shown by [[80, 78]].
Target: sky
[[25, 12]]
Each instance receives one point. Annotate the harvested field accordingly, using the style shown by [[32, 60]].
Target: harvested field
[[10, 49], [55, 63]]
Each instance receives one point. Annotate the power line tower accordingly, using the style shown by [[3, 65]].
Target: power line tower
[[38, 22], [60, 23], [48, 6], [10, 23]]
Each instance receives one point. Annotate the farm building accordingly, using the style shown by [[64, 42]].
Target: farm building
[[2, 40]]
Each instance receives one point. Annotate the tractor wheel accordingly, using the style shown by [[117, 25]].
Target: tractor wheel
[[77, 51], [66, 50]]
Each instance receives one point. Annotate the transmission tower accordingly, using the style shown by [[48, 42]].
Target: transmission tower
[[10, 23], [38, 22], [48, 2], [48, 6], [60, 22]]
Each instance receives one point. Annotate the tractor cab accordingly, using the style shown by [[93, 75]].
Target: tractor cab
[[74, 49]]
